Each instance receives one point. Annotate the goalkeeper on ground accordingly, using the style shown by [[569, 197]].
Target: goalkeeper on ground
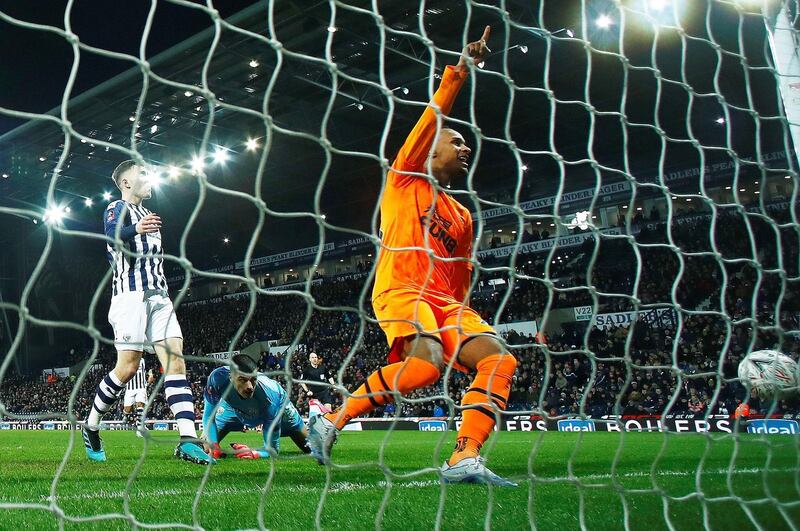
[[239, 397]]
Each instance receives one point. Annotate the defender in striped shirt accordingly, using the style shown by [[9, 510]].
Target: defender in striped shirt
[[145, 269], [141, 314]]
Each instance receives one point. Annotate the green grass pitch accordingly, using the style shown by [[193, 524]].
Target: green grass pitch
[[388, 479]]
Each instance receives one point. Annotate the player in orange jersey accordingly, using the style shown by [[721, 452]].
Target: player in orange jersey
[[421, 290]]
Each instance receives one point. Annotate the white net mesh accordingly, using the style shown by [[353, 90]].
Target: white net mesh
[[634, 194]]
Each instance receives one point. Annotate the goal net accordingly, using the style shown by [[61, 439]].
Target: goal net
[[633, 190]]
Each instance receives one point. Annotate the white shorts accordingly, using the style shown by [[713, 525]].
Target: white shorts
[[135, 396], [139, 320]]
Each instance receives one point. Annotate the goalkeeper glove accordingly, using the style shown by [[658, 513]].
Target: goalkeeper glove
[[245, 452], [215, 451]]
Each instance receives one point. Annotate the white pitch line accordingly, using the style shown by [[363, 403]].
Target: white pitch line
[[645, 474], [346, 486]]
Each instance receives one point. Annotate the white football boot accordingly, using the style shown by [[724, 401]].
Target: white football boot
[[321, 436], [472, 470]]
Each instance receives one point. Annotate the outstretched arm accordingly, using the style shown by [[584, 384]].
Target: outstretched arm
[[415, 150]]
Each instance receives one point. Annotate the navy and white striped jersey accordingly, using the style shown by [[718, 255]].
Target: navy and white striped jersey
[[139, 381], [133, 273]]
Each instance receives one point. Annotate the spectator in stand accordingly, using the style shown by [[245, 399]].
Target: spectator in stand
[[602, 365]]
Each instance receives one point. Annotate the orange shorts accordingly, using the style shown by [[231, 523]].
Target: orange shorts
[[405, 313]]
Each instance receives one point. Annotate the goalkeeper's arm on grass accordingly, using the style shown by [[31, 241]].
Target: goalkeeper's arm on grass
[[242, 451], [272, 440], [210, 435]]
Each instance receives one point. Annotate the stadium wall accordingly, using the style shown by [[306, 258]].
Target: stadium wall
[[629, 424]]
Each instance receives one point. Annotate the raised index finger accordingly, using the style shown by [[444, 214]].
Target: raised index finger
[[485, 37]]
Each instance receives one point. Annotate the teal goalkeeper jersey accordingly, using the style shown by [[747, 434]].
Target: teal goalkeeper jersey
[[233, 412]]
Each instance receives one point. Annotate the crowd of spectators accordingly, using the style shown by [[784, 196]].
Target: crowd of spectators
[[720, 291]]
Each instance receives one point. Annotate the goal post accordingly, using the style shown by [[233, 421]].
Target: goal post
[[785, 53]]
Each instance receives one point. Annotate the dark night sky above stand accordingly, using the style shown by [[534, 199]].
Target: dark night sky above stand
[[36, 64]]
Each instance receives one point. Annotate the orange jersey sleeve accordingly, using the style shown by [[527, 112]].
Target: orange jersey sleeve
[[414, 153], [426, 235]]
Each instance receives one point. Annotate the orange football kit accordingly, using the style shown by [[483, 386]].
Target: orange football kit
[[421, 289], [424, 269]]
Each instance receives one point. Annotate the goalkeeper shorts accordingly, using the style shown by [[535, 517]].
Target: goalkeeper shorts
[[405, 313]]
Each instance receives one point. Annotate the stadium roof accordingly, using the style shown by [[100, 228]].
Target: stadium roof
[[533, 88]]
